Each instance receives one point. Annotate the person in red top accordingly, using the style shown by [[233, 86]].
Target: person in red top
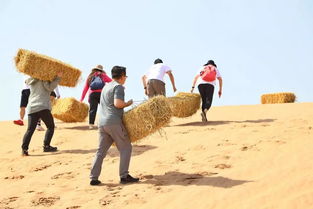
[[94, 83]]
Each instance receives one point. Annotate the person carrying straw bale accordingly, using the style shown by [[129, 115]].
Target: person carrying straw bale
[[207, 76], [94, 83], [112, 129], [153, 80], [23, 104], [39, 106]]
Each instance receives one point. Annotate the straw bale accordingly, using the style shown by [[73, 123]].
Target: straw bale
[[46, 68], [283, 97], [69, 110], [147, 118], [184, 104]]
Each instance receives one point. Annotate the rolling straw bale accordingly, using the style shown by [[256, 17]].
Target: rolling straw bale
[[284, 97], [184, 104], [69, 110], [147, 118], [45, 68]]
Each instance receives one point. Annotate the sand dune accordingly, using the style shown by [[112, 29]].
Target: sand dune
[[254, 156]]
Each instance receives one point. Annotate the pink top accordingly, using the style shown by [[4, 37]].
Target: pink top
[[104, 77]]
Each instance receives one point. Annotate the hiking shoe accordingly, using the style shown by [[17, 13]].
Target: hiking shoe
[[18, 122], [49, 149], [203, 116], [39, 128], [24, 152], [95, 182], [129, 179]]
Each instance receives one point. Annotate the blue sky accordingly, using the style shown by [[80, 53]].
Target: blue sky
[[260, 46]]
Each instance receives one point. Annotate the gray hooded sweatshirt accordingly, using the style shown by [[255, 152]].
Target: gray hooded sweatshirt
[[39, 98]]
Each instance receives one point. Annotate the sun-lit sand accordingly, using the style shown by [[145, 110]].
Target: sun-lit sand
[[245, 157]]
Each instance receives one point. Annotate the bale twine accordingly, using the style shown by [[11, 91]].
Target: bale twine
[[283, 97], [184, 104], [147, 118], [69, 110], [45, 68]]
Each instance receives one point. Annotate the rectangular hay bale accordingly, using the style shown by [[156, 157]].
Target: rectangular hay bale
[[147, 118], [283, 97], [46, 68], [69, 110], [184, 104]]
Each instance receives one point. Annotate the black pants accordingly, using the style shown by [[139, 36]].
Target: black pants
[[33, 118], [206, 91], [94, 100]]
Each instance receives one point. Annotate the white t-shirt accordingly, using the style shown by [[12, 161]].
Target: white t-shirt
[[157, 71], [200, 81]]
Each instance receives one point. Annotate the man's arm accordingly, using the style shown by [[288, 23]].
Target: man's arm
[[170, 74], [120, 104], [144, 82]]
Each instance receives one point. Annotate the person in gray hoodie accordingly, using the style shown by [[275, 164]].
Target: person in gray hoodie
[[39, 106]]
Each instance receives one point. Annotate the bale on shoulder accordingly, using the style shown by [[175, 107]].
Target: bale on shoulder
[[46, 68]]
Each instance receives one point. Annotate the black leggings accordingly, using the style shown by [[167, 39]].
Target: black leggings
[[206, 91], [33, 118], [94, 100]]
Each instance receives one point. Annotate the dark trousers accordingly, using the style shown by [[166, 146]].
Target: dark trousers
[[206, 91], [33, 118], [94, 100]]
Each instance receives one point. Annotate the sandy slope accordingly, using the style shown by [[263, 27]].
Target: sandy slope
[[249, 157]]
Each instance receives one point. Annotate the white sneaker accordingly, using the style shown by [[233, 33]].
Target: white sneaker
[[40, 128]]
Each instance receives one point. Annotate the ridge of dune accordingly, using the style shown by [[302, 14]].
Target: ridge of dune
[[249, 156]]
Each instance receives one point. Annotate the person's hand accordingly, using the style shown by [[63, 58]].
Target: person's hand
[[192, 88], [60, 74], [146, 91], [174, 89], [58, 97], [130, 102], [219, 93]]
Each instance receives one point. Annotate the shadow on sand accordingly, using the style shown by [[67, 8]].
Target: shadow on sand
[[215, 123], [113, 152], [186, 179]]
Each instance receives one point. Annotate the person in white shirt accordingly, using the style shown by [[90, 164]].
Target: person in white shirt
[[153, 80], [206, 85]]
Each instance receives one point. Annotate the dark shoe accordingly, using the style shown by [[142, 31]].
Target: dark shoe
[[129, 179], [24, 152], [95, 182], [49, 149]]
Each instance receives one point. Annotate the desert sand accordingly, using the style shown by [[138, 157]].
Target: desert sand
[[245, 157]]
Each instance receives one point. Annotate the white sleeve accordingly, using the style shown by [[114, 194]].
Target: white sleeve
[[57, 93], [167, 68], [218, 75]]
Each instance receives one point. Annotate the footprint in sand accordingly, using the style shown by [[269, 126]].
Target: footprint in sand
[[45, 201], [222, 166], [66, 175], [15, 177], [45, 166], [5, 202], [180, 158], [105, 201], [73, 207], [246, 147]]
